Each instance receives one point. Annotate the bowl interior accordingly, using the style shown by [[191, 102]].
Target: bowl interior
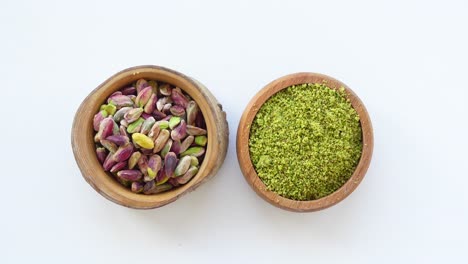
[[83, 133], [243, 136]]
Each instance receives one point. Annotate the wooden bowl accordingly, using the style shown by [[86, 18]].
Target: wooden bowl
[[243, 153], [104, 183]]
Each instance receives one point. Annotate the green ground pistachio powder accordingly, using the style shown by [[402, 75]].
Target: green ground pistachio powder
[[306, 141]]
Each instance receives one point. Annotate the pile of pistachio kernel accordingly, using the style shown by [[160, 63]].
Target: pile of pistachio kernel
[[150, 136], [306, 141]]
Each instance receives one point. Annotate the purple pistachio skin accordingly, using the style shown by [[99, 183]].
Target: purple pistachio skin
[[174, 182], [143, 96], [118, 167], [148, 187], [186, 143], [165, 89], [192, 112], [119, 115], [158, 115], [98, 119], [154, 131], [146, 151], [179, 99], [106, 128], [129, 90], [123, 131], [140, 84], [195, 131], [166, 148], [176, 147], [130, 175], [159, 188], [111, 147], [151, 104], [177, 110], [137, 187], [107, 125], [109, 162], [145, 116], [167, 118], [133, 115], [170, 163], [116, 93], [123, 153], [179, 132], [101, 154], [162, 177], [118, 139], [120, 100], [200, 121], [143, 164], [155, 163]]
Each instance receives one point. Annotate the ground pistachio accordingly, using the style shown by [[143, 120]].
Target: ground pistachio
[[306, 141]]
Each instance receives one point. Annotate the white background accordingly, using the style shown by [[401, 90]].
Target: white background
[[407, 60]]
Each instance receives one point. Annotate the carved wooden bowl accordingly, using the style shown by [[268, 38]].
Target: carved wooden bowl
[[243, 153], [104, 183]]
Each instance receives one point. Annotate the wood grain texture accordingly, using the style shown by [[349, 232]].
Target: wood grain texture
[[84, 148], [243, 153]]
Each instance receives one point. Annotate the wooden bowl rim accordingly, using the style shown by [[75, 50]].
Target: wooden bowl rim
[[243, 135], [127, 198]]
